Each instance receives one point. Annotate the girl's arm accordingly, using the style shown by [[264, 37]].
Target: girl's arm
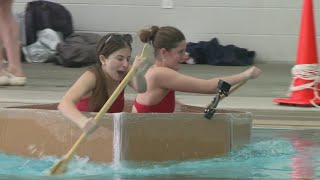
[[81, 88], [169, 79]]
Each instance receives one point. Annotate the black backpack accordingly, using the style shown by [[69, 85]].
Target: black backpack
[[212, 53], [41, 14], [77, 50]]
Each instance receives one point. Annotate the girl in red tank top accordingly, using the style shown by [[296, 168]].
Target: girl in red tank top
[[166, 105], [170, 50], [84, 104], [91, 91]]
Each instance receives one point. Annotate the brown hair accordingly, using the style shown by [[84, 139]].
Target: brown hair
[[100, 92], [166, 37]]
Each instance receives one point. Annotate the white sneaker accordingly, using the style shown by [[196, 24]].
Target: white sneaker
[[16, 80], [4, 79], [11, 80]]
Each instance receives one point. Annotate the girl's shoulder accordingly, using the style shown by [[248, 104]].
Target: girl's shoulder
[[160, 69], [88, 78], [161, 73], [88, 74]]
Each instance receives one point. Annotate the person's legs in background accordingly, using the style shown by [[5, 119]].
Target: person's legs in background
[[9, 37], [1, 57], [4, 79]]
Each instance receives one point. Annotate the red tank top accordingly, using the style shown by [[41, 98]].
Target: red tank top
[[166, 105], [117, 106]]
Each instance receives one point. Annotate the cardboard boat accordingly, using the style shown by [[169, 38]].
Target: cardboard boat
[[41, 130]]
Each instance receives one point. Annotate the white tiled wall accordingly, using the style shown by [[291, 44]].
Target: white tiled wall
[[269, 27]]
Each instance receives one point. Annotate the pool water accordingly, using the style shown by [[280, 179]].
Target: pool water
[[272, 154]]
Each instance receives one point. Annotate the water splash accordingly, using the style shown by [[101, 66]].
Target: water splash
[[264, 149], [266, 158]]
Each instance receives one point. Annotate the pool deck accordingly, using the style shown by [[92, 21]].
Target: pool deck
[[48, 82]]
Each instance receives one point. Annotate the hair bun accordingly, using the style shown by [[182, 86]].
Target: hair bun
[[147, 35]]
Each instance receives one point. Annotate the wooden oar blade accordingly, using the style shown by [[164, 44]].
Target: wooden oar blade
[[148, 53], [59, 168]]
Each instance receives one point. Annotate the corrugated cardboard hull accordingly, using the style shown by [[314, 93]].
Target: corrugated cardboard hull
[[125, 136]]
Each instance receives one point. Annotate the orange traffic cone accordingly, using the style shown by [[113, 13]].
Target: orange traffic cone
[[305, 85]]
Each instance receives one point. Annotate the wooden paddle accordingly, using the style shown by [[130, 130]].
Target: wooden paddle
[[61, 166], [211, 107], [234, 88]]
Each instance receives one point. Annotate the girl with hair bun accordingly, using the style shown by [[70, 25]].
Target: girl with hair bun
[[163, 79]]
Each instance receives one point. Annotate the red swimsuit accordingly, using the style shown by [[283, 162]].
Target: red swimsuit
[[117, 106], [166, 105]]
